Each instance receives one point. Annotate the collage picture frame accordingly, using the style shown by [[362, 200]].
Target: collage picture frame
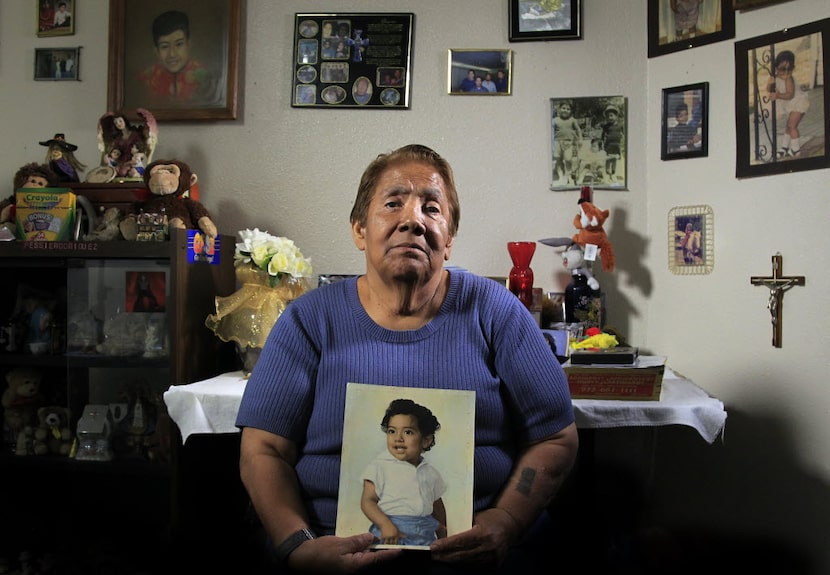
[[354, 60]]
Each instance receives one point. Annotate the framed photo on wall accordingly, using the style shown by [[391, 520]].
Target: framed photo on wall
[[480, 72], [675, 25], [179, 59], [57, 63], [545, 20], [685, 122], [781, 101], [691, 240], [352, 60], [588, 143], [55, 17]]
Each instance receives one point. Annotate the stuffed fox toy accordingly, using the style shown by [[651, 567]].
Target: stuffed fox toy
[[589, 222]]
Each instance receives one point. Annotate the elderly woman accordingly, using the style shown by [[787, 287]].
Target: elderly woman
[[408, 322]]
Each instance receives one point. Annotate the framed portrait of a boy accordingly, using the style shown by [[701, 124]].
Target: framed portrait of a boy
[[179, 59], [685, 122], [781, 101], [675, 25]]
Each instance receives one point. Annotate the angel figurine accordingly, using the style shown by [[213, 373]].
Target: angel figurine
[[127, 148]]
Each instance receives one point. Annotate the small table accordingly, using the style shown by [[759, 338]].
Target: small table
[[210, 406]]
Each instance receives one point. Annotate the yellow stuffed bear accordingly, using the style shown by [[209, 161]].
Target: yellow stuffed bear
[[21, 399]]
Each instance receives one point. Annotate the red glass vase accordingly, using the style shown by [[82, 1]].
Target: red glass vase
[[521, 275]]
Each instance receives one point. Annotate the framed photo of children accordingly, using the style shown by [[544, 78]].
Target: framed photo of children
[[691, 240], [675, 25], [545, 20], [685, 122], [352, 60], [437, 426], [781, 101], [55, 17], [177, 58], [480, 72], [588, 143], [57, 63]]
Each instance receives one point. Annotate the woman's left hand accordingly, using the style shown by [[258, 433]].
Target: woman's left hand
[[485, 544]]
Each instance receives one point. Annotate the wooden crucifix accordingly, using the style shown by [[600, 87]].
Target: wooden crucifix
[[777, 284]]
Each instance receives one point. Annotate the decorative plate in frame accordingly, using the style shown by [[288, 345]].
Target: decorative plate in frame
[[691, 240]]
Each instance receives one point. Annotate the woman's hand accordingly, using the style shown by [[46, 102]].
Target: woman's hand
[[485, 544], [332, 555]]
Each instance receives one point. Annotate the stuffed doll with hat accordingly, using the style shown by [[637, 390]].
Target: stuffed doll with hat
[[31, 175], [61, 159], [169, 181]]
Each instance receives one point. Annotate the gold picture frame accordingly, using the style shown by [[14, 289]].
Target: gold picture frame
[[205, 88], [691, 240], [467, 72]]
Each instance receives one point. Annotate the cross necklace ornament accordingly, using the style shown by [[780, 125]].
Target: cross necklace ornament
[[777, 284]]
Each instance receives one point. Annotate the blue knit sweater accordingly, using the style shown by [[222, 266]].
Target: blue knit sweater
[[482, 339]]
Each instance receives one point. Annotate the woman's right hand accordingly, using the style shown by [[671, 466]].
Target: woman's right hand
[[334, 555]]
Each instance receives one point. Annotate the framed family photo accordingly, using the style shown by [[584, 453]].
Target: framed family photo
[[675, 25], [177, 58], [480, 72], [545, 20], [782, 102], [359, 60], [691, 240], [57, 63], [588, 143], [685, 122], [376, 416], [55, 17]]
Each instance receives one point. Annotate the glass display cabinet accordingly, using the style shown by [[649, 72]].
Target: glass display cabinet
[[95, 332]]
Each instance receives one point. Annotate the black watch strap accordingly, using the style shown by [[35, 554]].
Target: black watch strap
[[294, 540]]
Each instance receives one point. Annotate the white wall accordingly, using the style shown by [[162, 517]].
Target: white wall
[[294, 172]]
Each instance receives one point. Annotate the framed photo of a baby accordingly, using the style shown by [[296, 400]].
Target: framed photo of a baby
[[389, 432], [782, 101], [178, 59], [685, 122], [675, 25], [691, 240]]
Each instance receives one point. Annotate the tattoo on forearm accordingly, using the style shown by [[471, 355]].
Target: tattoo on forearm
[[526, 481]]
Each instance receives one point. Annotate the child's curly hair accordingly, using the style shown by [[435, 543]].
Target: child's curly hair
[[427, 422]]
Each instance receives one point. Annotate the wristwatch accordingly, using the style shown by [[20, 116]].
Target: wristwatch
[[294, 540]]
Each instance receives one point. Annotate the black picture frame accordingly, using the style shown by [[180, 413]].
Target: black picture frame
[[352, 60], [685, 137], [55, 17], [213, 46], [529, 22], [753, 4], [57, 64], [477, 65], [765, 142], [715, 23], [597, 155]]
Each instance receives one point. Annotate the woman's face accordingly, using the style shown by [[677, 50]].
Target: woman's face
[[406, 235]]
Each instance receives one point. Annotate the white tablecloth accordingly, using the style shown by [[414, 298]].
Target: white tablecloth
[[210, 406]]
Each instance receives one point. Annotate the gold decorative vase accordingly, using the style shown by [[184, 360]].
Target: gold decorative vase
[[246, 316]]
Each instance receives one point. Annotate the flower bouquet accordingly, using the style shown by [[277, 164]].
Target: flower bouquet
[[272, 272]]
